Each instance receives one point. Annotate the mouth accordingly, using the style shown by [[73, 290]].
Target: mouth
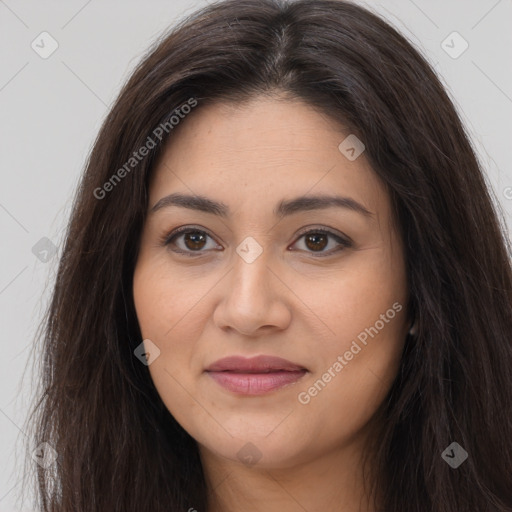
[[254, 376]]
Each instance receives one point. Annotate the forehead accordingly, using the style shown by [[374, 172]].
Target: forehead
[[266, 149]]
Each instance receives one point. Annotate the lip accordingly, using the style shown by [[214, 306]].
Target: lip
[[255, 375], [258, 364]]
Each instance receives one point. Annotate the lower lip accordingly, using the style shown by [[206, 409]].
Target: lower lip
[[255, 383]]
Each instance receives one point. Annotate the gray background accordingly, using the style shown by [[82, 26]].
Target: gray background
[[51, 110]]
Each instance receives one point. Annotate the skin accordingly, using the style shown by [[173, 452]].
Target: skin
[[289, 303]]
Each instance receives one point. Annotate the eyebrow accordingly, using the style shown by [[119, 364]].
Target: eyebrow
[[284, 208]]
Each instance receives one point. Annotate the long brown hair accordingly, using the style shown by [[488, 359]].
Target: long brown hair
[[118, 447]]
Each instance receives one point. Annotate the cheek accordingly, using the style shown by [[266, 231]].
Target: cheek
[[355, 377], [352, 298], [365, 312], [165, 301], [171, 314]]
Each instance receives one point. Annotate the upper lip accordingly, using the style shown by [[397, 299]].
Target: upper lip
[[253, 364]]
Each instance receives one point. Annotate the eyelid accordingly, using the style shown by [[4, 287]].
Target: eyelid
[[185, 229], [167, 238], [344, 242], [329, 231]]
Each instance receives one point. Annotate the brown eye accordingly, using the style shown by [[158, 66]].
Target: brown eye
[[194, 240], [316, 240], [189, 241]]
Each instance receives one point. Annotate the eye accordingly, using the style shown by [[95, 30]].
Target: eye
[[189, 240], [316, 240]]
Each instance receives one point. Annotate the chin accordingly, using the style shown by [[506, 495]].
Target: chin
[[268, 451]]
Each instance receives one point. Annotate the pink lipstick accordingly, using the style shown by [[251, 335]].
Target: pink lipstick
[[255, 375]]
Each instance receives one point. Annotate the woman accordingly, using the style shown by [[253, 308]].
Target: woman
[[284, 284]]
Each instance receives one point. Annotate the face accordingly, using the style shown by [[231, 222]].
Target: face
[[320, 284]]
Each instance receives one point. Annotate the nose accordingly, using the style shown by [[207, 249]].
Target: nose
[[254, 299]]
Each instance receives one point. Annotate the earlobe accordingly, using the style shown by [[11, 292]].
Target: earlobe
[[414, 328]]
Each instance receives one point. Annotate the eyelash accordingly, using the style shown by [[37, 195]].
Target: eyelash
[[344, 243]]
